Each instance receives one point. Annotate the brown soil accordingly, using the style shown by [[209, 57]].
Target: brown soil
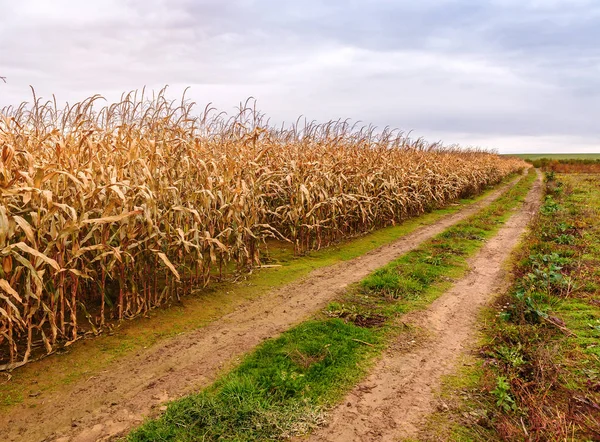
[[401, 391], [112, 402]]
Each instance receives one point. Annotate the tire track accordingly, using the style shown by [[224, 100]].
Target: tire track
[[400, 391]]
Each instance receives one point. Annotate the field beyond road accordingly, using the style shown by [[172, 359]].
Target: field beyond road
[[557, 156]]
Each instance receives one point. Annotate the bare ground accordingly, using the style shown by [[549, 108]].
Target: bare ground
[[110, 403], [400, 392]]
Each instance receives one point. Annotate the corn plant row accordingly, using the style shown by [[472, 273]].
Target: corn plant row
[[107, 211]]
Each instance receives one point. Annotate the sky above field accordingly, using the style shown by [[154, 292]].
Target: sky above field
[[513, 75]]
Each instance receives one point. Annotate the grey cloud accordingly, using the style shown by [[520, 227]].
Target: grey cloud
[[461, 70]]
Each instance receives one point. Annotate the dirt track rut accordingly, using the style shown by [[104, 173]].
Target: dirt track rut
[[400, 392], [114, 401]]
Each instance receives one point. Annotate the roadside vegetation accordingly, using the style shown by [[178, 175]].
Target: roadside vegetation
[[285, 386], [557, 156], [537, 373], [568, 165], [564, 163]]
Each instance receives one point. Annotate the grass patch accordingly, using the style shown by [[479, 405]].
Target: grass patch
[[284, 386], [277, 391], [538, 377]]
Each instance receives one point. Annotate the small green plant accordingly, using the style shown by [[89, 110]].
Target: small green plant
[[385, 280], [511, 355], [435, 260], [546, 274], [550, 206], [527, 305], [504, 399], [505, 315], [565, 239], [595, 326], [340, 310], [563, 226]]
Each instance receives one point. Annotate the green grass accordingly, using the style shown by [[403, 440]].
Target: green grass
[[282, 388], [90, 356], [278, 390], [543, 337]]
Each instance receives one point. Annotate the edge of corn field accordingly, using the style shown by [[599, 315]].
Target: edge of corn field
[[111, 210], [88, 356], [283, 387]]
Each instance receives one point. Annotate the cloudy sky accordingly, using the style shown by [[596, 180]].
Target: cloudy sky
[[514, 75]]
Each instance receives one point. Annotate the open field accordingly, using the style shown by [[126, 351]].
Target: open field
[[565, 163], [558, 156], [174, 277], [167, 276], [311, 263]]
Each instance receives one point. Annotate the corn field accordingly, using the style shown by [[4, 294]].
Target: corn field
[[108, 211]]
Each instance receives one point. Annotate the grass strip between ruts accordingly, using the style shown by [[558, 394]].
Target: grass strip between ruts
[[283, 387]]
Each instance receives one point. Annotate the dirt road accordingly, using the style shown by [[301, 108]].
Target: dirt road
[[400, 392], [112, 402]]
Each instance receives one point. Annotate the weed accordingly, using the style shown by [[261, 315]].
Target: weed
[[550, 206], [565, 239], [511, 355]]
